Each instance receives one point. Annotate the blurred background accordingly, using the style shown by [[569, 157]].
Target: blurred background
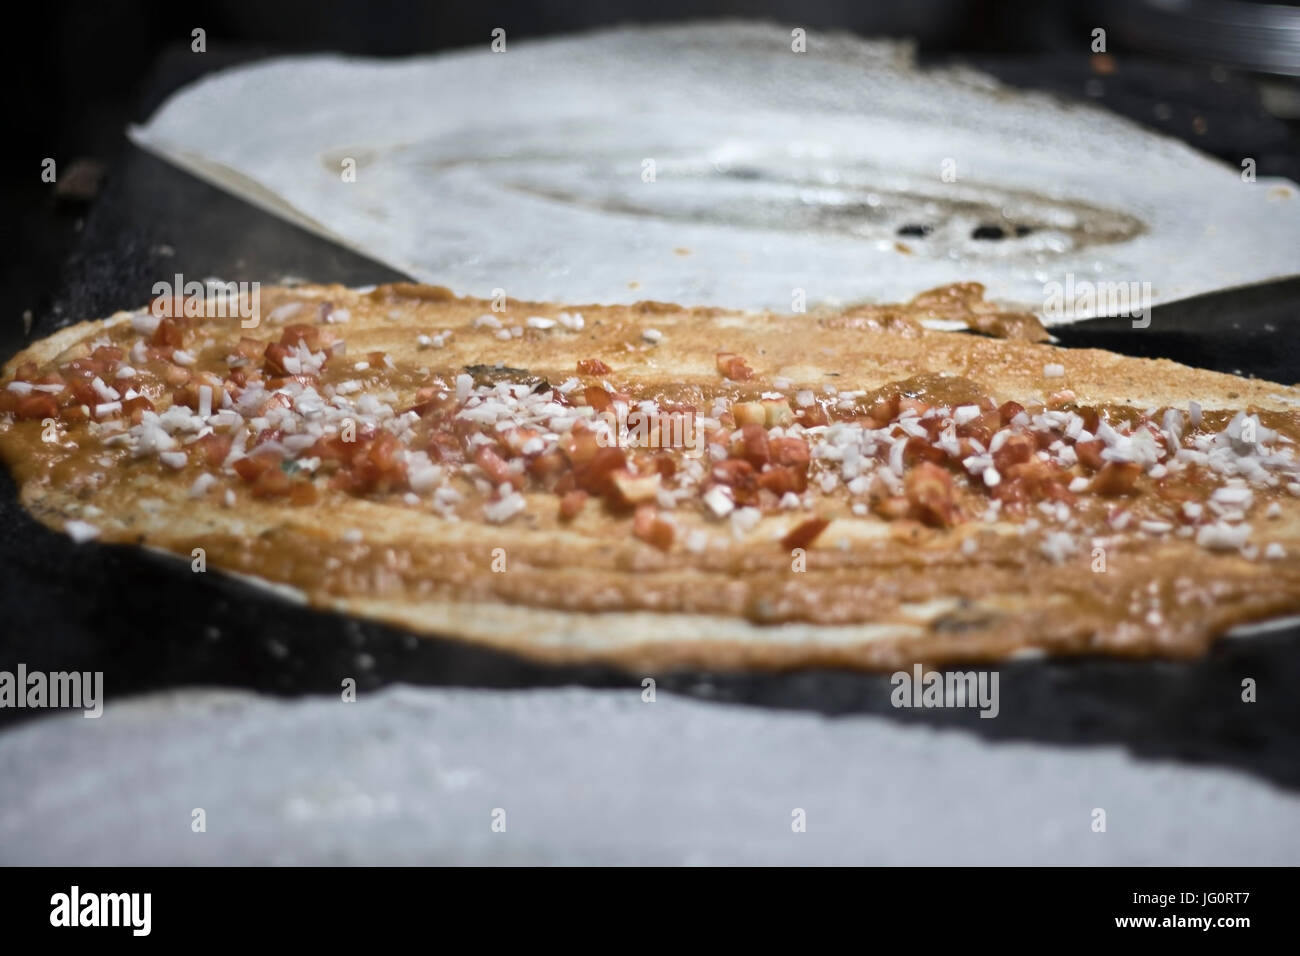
[[82, 70], [1221, 74]]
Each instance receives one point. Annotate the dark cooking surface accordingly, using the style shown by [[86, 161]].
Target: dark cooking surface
[[150, 623]]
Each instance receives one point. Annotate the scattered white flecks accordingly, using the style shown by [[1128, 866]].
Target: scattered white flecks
[[1079, 484], [1193, 509], [1240, 497], [991, 477], [1222, 537], [105, 392], [1155, 527], [1274, 511], [697, 540], [969, 546], [1052, 370], [964, 414], [1274, 551], [145, 323], [539, 322], [1056, 546], [745, 520], [653, 336], [502, 335], [790, 501], [174, 459], [505, 508], [572, 321], [352, 536], [435, 341], [284, 312], [182, 357], [804, 397], [201, 485], [486, 321], [81, 531], [718, 500]]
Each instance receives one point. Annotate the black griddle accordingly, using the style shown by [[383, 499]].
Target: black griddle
[[149, 623]]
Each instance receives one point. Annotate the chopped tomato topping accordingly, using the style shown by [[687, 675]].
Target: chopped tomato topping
[[298, 333], [37, 406], [733, 366], [375, 466], [168, 333], [738, 475], [215, 448], [1008, 411], [918, 449], [780, 479], [754, 445], [1089, 454], [572, 503], [271, 484], [597, 398], [804, 533], [1116, 478], [596, 476], [252, 467], [547, 467], [581, 446], [664, 465], [790, 451], [652, 529], [494, 466], [929, 492], [275, 354], [1016, 450], [813, 416], [884, 411]]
